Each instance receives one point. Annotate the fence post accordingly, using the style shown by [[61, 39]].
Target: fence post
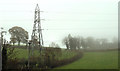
[[29, 55]]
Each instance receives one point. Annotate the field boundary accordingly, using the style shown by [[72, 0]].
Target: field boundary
[[68, 61], [100, 50]]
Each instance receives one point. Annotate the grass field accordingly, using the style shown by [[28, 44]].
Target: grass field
[[95, 60], [90, 60], [23, 53], [67, 54]]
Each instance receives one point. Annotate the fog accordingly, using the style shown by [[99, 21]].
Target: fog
[[96, 18]]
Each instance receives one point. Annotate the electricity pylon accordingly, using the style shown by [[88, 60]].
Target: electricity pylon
[[37, 38]]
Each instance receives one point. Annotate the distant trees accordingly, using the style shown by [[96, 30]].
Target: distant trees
[[18, 34], [72, 43], [90, 42], [83, 43], [115, 42], [66, 42], [78, 42], [53, 44]]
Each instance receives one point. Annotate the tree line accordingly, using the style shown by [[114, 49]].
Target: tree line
[[79, 42], [18, 35]]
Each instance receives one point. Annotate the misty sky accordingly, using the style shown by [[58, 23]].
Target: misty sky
[[96, 18]]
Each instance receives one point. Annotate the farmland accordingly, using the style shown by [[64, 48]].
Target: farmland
[[95, 60], [90, 60], [23, 53], [49, 57]]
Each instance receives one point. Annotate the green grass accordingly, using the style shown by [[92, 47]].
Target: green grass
[[66, 54], [23, 53], [90, 60], [95, 60]]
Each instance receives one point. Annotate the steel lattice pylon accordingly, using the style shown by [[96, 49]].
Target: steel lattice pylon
[[37, 37]]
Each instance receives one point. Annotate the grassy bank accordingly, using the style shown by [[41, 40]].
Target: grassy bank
[[23, 53]]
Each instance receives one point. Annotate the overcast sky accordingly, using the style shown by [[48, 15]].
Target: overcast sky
[[96, 18]]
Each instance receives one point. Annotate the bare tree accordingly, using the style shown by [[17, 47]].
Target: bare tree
[[72, 43], [66, 42]]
